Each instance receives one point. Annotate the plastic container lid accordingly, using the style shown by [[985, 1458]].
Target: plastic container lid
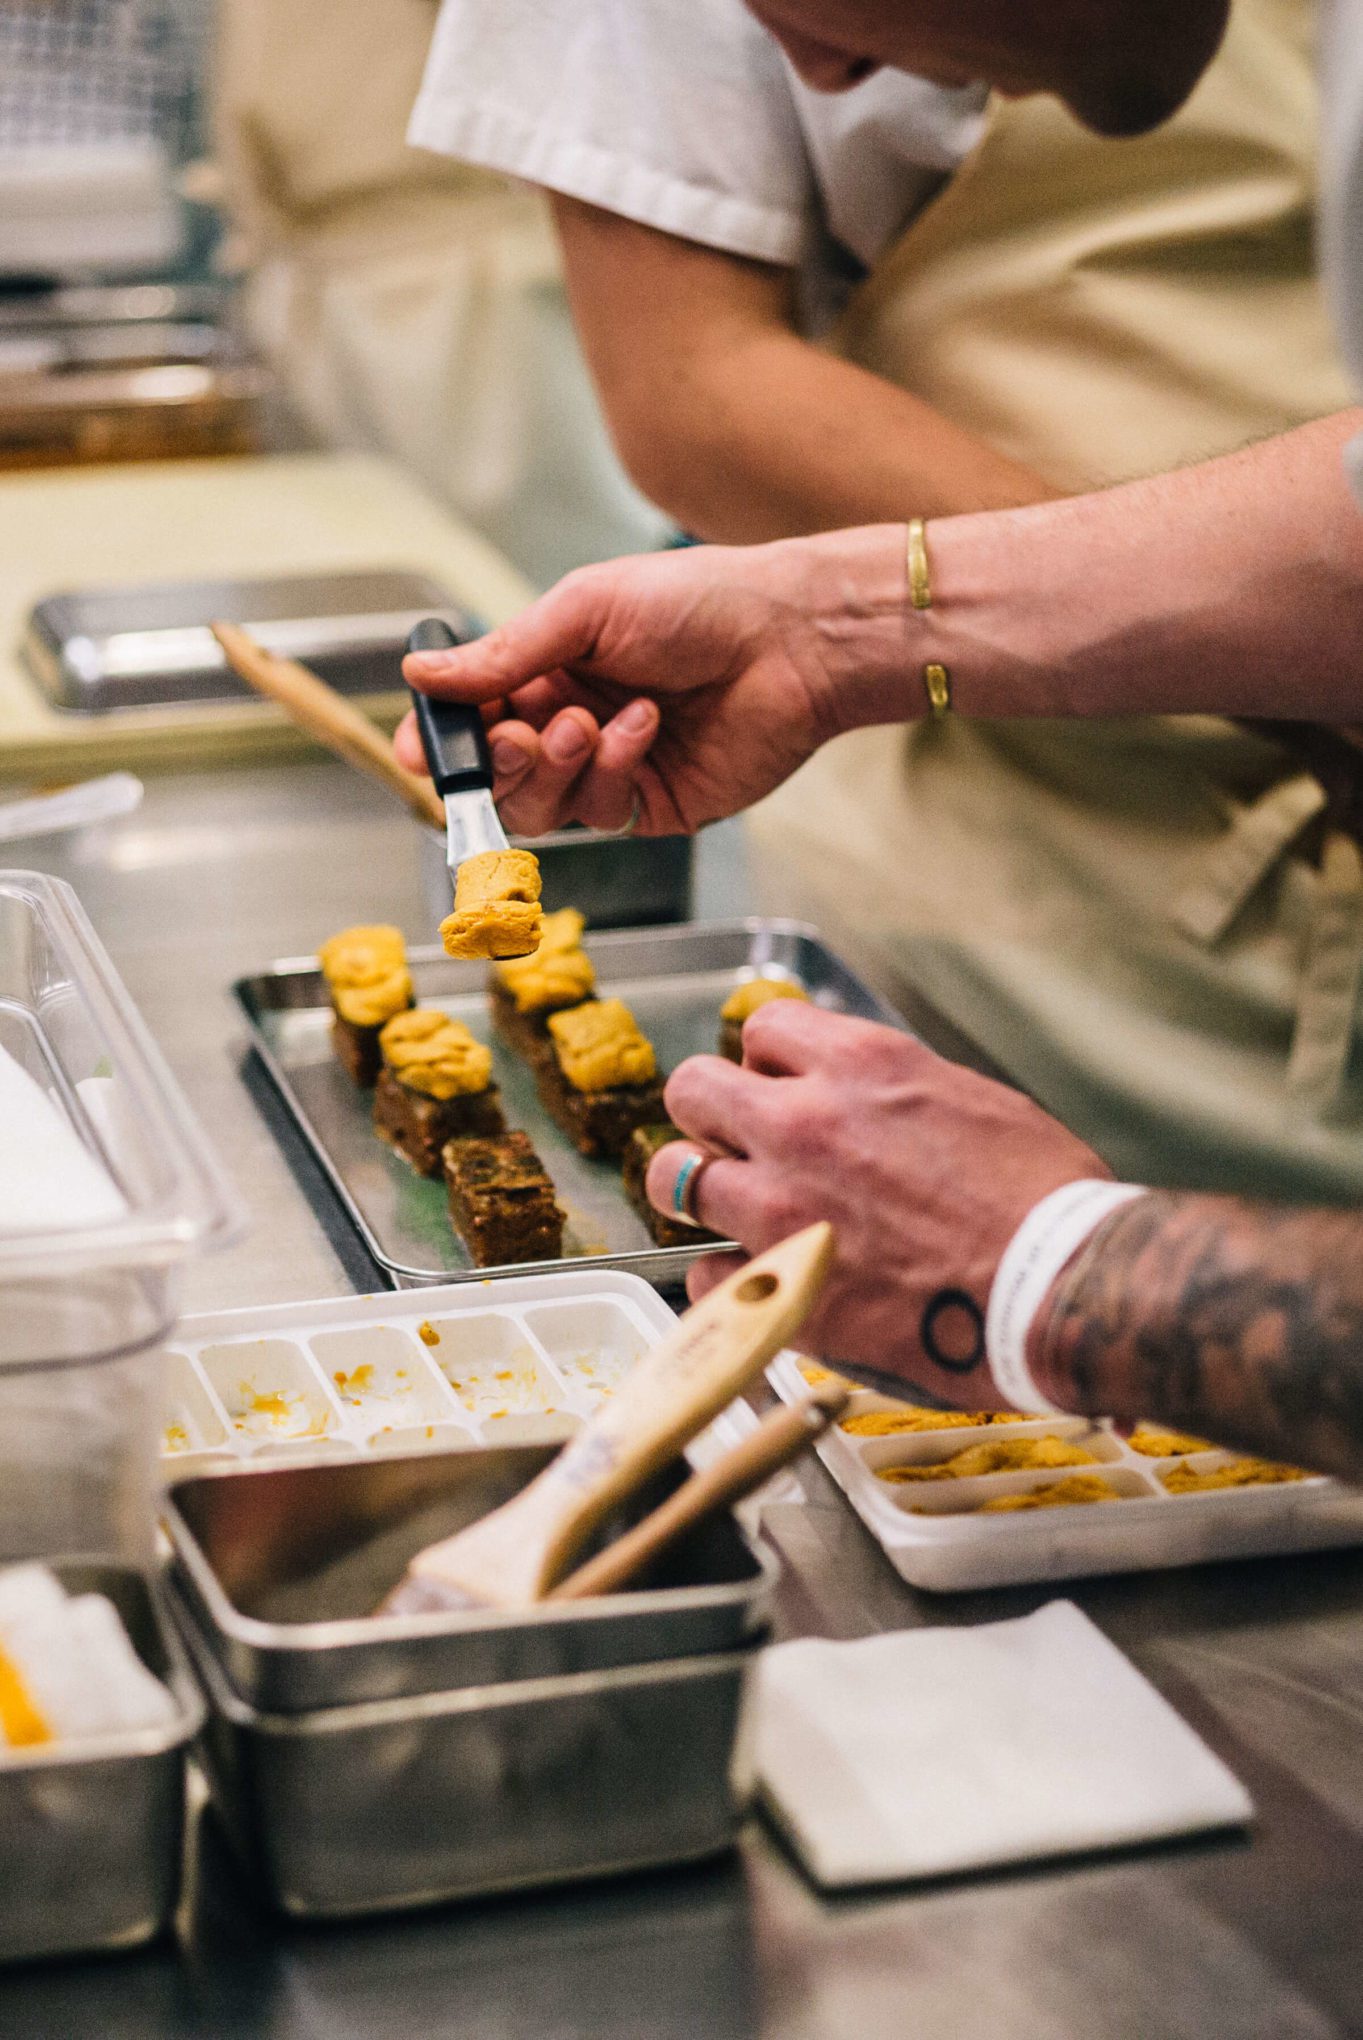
[[105, 1282]]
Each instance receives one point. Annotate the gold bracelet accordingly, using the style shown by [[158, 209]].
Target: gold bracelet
[[920, 583], [936, 679]]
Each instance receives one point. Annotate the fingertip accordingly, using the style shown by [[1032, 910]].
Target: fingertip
[[571, 738], [707, 1274], [407, 745]]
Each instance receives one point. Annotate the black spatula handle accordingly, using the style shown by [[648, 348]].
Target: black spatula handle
[[452, 733]]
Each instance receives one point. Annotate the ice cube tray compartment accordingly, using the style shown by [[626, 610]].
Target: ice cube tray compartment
[[522, 1361], [270, 1390], [592, 1344], [384, 1374], [950, 1547], [194, 1425], [498, 1370]]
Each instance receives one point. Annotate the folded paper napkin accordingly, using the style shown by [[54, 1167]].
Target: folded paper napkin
[[932, 1751], [48, 1177]]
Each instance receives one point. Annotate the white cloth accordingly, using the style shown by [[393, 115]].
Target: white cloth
[[691, 120], [928, 1752], [75, 1660]]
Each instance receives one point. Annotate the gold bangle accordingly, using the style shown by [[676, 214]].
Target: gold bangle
[[937, 680], [920, 583]]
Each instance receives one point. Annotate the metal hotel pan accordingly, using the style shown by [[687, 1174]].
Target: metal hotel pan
[[405, 1803], [674, 979], [282, 1566], [91, 1832]]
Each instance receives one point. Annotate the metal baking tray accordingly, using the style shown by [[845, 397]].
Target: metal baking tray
[[405, 1803], [96, 649], [91, 1832], [282, 1568], [674, 979]]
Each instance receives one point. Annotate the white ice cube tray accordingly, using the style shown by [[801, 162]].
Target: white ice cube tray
[[512, 1362], [952, 1547]]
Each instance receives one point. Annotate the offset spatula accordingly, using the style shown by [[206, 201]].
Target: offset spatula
[[516, 1555], [455, 743]]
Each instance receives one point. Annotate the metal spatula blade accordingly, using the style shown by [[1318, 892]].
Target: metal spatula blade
[[455, 743]]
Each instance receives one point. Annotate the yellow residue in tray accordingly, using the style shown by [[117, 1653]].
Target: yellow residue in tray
[[1080, 1487], [1157, 1443], [1186, 1480], [175, 1438], [280, 1411], [917, 1417], [997, 1455], [427, 1333], [358, 1382]]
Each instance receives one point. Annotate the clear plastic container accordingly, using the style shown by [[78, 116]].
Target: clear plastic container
[[85, 1305]]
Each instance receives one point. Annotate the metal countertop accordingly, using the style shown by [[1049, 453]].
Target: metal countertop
[[220, 873]]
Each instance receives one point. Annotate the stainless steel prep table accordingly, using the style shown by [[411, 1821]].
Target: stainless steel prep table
[[1260, 1937]]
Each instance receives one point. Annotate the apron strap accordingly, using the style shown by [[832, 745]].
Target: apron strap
[[1323, 1037], [1257, 838]]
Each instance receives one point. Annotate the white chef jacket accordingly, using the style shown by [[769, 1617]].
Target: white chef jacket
[[690, 119]]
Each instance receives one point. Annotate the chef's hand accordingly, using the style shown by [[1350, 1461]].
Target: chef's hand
[[924, 1169], [693, 682]]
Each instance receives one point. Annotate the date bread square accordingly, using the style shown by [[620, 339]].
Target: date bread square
[[502, 1202], [601, 1080], [368, 982], [435, 1085]]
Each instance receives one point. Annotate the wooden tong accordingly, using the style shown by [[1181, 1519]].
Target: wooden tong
[[326, 715]]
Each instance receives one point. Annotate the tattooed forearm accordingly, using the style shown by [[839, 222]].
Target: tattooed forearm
[[1239, 1322]]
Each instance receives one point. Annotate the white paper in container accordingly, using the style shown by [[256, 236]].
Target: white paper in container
[[106, 1181]]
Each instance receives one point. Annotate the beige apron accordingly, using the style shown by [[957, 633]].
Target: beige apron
[[411, 305], [1118, 912]]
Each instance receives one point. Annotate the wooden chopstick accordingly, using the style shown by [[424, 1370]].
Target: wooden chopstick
[[329, 717]]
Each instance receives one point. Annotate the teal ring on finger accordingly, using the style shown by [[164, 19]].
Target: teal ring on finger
[[684, 1187]]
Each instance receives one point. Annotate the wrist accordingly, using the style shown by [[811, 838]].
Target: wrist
[[1053, 1236], [873, 643]]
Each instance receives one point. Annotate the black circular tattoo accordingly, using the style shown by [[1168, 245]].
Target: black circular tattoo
[[953, 1311]]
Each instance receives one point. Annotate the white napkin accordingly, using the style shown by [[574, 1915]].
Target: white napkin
[[48, 1177], [931, 1751]]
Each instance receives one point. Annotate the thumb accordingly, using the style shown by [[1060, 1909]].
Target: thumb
[[556, 631]]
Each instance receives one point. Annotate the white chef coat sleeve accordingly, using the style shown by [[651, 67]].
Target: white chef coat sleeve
[[679, 117]]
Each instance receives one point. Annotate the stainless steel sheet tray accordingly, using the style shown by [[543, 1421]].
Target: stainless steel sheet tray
[[93, 650], [282, 1567], [674, 979], [91, 1832], [405, 1803]]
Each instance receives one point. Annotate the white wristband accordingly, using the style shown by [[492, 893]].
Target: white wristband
[[1047, 1240]]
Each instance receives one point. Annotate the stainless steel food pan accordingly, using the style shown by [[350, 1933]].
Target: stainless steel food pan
[[282, 1566], [452, 1795], [91, 1832]]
